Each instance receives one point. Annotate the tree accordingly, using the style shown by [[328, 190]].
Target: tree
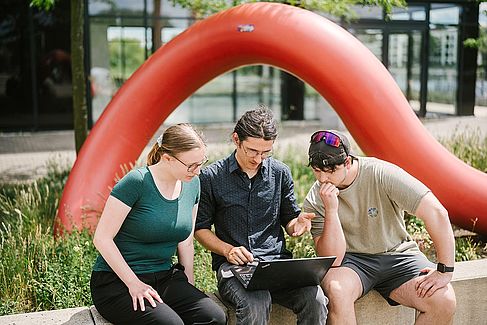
[[80, 111], [338, 8]]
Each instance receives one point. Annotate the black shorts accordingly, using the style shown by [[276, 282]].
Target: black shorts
[[385, 272]]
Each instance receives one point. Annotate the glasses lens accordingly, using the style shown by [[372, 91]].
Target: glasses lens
[[193, 167], [329, 138]]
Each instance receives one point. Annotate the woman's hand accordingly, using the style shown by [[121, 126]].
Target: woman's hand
[[140, 291]]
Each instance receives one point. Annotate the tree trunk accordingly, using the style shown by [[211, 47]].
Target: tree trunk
[[156, 26], [80, 112]]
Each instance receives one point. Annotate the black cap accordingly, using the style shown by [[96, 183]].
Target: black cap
[[322, 155]]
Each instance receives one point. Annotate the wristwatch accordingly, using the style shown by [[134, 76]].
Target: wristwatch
[[442, 268]]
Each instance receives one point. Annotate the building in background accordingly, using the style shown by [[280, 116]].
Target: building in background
[[421, 46]]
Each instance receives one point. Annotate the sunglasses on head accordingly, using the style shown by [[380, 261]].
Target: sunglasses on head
[[328, 137]]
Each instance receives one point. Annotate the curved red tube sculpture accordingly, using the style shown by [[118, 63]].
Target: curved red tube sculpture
[[305, 44]]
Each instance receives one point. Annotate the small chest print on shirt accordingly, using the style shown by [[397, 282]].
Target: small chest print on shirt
[[372, 212]]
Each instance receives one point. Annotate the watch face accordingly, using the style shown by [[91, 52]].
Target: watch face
[[443, 268]]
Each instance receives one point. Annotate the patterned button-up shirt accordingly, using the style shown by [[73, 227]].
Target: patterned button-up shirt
[[248, 212]]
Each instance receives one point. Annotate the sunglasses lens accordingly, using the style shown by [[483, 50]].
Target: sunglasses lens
[[318, 136], [330, 139]]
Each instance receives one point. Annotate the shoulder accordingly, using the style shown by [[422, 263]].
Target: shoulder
[[377, 166], [215, 169], [278, 167], [135, 175]]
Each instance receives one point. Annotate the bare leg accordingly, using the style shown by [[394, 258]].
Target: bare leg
[[437, 309], [343, 287]]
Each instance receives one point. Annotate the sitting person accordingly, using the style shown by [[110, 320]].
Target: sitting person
[[150, 214], [248, 198], [359, 204]]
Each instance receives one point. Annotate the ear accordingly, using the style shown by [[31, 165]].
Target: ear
[[235, 138], [165, 157], [348, 162]]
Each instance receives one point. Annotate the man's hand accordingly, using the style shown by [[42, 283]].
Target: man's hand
[[429, 283], [301, 223], [239, 255], [329, 196]]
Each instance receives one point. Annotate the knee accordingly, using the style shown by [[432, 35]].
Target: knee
[[444, 303], [212, 313], [448, 303], [338, 292]]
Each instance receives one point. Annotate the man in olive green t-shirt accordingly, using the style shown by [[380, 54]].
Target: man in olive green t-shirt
[[359, 204]]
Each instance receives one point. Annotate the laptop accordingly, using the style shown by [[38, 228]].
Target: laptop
[[283, 273]]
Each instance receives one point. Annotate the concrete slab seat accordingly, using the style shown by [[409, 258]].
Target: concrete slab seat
[[469, 282]]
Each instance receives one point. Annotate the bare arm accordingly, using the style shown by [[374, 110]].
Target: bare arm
[[438, 225], [235, 255], [186, 251], [111, 220], [332, 239]]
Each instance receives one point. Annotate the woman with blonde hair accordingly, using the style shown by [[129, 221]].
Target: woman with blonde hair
[[149, 215]]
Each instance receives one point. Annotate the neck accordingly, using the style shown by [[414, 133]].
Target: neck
[[352, 173], [161, 174], [250, 172]]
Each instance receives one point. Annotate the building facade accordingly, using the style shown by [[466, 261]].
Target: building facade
[[422, 46]]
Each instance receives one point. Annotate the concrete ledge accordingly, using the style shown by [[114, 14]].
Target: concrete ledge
[[469, 282], [70, 316]]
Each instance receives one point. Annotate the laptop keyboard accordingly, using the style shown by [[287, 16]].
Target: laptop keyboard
[[245, 273]]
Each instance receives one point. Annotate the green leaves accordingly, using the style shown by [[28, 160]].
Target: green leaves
[[43, 4]]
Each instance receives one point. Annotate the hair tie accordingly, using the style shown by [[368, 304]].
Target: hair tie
[[159, 141]]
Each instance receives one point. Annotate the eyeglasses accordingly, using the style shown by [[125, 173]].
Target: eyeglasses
[[192, 167], [251, 153], [328, 137]]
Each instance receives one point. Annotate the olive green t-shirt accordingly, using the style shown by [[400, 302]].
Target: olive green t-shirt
[[371, 209], [150, 233]]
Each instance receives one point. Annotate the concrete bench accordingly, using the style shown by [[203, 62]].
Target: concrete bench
[[469, 282]]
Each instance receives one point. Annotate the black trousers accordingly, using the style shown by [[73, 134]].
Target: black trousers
[[182, 302]]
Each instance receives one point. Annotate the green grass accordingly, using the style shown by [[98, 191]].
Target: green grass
[[40, 273]]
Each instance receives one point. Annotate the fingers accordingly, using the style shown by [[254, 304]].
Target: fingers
[[240, 255], [428, 284], [307, 215], [150, 294]]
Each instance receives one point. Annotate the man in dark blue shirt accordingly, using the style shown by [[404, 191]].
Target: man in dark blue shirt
[[249, 198]]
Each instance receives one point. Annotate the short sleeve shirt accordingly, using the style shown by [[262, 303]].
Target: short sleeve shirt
[[150, 233], [245, 212], [371, 210]]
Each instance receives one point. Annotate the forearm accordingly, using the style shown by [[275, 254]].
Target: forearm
[[186, 258], [437, 223], [441, 233], [211, 242], [332, 239], [110, 252]]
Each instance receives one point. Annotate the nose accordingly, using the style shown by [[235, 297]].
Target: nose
[[322, 177], [258, 158]]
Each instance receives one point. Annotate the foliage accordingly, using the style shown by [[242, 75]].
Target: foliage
[[338, 8], [126, 55], [469, 146], [38, 272], [43, 4]]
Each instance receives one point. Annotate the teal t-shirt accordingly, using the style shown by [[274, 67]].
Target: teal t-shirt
[[149, 236]]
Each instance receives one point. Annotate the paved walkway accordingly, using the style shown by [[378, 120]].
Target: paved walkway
[[24, 156]]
